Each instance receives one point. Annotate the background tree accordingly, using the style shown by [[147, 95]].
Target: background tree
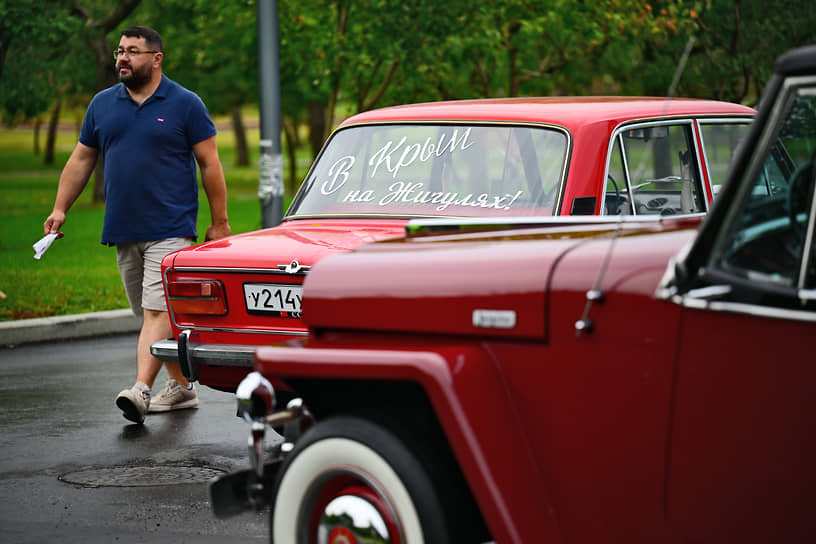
[[308, 48], [344, 56], [99, 20], [212, 48], [738, 42], [39, 67]]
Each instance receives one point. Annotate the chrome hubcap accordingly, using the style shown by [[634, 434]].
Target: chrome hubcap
[[351, 519]]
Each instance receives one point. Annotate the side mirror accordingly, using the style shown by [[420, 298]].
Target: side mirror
[[256, 397]]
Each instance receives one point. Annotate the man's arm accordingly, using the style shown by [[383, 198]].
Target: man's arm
[[72, 181], [212, 178]]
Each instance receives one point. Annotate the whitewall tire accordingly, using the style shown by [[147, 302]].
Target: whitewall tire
[[346, 461]]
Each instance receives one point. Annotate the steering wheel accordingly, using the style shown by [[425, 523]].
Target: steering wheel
[[800, 188], [617, 193]]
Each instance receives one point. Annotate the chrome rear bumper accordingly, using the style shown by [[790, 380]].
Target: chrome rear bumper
[[192, 355]]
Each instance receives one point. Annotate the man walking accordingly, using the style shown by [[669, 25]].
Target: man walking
[[151, 132]]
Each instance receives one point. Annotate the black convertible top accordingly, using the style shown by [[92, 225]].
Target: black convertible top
[[797, 61]]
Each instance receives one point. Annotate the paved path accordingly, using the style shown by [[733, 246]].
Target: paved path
[[72, 469]]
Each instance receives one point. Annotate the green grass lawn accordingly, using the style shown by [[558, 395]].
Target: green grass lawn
[[78, 274]]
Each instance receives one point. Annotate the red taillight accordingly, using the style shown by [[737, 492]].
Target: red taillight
[[197, 297]]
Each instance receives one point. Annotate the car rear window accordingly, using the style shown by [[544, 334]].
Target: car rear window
[[420, 170]]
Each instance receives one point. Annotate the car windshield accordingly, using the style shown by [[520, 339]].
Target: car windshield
[[773, 226], [432, 170]]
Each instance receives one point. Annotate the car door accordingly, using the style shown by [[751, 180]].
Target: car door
[[742, 445]]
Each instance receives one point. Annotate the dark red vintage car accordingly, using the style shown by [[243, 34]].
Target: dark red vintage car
[[479, 159], [526, 381]]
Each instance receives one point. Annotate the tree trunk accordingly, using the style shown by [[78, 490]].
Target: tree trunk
[[52, 133], [99, 181], [96, 32], [512, 55], [105, 77], [317, 125], [290, 133], [37, 125], [241, 150]]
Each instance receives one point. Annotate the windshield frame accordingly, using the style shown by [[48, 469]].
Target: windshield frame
[[768, 144]]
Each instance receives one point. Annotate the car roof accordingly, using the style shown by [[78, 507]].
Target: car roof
[[564, 111]]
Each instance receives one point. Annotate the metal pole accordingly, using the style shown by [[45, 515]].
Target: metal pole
[[270, 182]]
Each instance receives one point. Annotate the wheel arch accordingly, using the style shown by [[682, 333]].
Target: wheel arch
[[461, 386], [403, 408]]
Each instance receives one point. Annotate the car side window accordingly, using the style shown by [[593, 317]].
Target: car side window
[[662, 170], [770, 238], [616, 196], [720, 141]]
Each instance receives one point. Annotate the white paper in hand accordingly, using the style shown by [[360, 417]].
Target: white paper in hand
[[43, 244]]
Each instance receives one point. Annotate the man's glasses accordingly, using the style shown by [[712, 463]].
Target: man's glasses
[[129, 53]]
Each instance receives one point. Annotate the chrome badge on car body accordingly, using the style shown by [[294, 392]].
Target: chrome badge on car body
[[494, 319], [294, 267]]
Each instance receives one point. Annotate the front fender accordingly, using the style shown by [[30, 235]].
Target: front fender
[[475, 411]]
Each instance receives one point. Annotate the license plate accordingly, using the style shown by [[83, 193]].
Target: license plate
[[273, 298]]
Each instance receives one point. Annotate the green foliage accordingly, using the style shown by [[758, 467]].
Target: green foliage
[[737, 43], [41, 57], [212, 51], [370, 53]]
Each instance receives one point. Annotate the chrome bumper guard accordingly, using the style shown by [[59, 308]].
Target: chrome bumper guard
[[191, 355], [253, 488]]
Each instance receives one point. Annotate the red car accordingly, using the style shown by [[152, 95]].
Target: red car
[[500, 380], [479, 159]]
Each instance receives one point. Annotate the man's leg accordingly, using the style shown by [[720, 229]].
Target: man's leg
[[155, 327], [135, 400], [178, 393], [140, 268]]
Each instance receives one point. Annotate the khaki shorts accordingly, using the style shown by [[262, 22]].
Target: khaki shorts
[[140, 269]]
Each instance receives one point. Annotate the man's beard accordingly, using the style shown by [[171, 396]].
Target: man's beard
[[137, 79]]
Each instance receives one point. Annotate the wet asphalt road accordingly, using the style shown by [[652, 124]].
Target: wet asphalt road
[[72, 469]]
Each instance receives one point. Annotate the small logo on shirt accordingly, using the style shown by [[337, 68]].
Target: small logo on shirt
[[160, 119]]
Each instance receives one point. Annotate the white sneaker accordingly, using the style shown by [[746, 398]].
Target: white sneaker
[[174, 396], [134, 402]]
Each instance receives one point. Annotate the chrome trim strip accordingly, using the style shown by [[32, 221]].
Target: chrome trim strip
[[627, 178], [706, 293], [705, 181], [417, 225], [747, 309], [442, 232], [251, 331], [165, 350], [217, 270], [806, 295], [807, 248], [273, 271]]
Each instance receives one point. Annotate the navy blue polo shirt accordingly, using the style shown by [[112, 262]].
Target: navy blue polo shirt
[[151, 186]]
